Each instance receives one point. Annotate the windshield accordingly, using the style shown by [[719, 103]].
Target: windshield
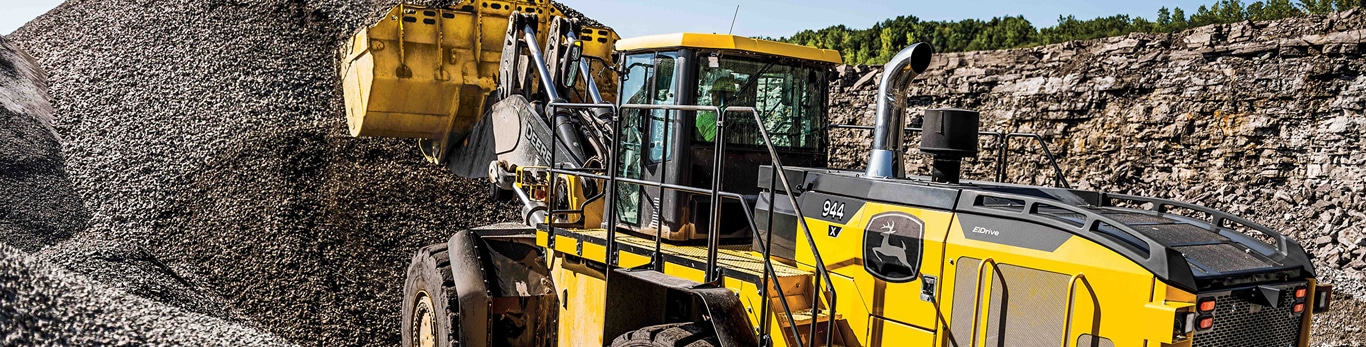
[[789, 99]]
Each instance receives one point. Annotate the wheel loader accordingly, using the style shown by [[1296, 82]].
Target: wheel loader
[[675, 191]]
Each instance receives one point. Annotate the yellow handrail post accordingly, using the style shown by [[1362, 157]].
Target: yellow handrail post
[[977, 310], [1071, 297]]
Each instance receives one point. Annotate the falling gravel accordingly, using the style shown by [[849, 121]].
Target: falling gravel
[[207, 139]]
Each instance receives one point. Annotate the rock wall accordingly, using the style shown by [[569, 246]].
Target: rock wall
[[1262, 119]]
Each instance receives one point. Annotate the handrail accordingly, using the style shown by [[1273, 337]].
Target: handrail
[[713, 245], [1002, 156], [977, 304], [1071, 297], [768, 263], [714, 242], [811, 240], [1058, 178]]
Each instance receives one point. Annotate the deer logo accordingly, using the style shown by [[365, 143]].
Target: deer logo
[[892, 246], [886, 250]]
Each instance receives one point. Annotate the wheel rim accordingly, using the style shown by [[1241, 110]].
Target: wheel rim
[[424, 321]]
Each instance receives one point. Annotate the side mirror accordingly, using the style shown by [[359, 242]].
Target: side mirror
[[572, 59]]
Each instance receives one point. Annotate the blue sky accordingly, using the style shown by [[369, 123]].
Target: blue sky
[[777, 18], [774, 17]]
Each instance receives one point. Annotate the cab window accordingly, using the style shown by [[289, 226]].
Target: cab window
[[789, 100]]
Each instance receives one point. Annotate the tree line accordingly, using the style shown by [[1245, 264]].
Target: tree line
[[877, 44]]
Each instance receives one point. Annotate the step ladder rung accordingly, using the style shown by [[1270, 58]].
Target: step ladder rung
[[804, 318]]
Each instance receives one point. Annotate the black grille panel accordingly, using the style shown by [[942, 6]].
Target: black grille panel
[[1238, 322], [1138, 218], [1223, 257], [1175, 234]]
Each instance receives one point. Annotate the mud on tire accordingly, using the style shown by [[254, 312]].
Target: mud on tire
[[669, 335], [431, 308]]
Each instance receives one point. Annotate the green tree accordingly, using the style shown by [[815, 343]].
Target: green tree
[[1316, 6], [1179, 21], [877, 44], [1275, 9]]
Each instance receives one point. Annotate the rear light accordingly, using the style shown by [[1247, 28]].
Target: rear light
[[1323, 296], [1298, 308], [1300, 292], [1206, 305], [1205, 323]]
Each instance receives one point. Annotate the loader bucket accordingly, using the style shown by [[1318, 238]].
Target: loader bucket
[[421, 72], [426, 73]]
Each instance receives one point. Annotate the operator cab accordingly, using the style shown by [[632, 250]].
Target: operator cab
[[786, 84]]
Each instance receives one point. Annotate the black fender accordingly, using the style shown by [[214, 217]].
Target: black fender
[[641, 298], [505, 294]]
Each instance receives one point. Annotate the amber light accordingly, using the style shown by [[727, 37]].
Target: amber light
[[1206, 323], [1301, 292], [1206, 305], [1298, 308]]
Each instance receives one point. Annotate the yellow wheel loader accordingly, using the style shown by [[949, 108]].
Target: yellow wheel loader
[[675, 192]]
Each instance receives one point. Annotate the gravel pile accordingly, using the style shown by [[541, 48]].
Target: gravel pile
[[39, 206], [208, 141], [44, 305]]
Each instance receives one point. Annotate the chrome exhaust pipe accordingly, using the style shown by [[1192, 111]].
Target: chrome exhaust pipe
[[885, 159]]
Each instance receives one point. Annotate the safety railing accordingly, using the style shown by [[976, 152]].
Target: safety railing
[[713, 245], [613, 179], [1003, 155]]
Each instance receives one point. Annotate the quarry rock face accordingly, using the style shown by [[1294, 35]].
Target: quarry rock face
[[1261, 119]]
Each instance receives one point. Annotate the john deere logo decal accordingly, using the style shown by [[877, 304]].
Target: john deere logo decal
[[892, 244]]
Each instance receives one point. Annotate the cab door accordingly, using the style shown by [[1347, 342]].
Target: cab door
[[646, 144]]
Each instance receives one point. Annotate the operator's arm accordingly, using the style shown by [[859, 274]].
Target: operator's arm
[[706, 125]]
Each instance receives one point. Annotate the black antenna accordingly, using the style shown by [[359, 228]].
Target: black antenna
[[732, 20]]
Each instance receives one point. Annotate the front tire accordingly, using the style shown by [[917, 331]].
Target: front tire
[[431, 308], [669, 335]]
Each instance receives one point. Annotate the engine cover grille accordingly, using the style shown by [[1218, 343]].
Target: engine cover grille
[[1240, 322]]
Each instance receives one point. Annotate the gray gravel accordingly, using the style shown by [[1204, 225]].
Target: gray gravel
[[207, 139], [38, 205], [42, 305]]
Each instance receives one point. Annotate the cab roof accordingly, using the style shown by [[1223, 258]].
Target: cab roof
[[729, 42]]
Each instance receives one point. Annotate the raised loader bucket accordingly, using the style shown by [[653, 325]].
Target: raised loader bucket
[[425, 72]]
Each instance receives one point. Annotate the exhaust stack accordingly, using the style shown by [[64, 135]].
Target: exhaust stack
[[885, 159]]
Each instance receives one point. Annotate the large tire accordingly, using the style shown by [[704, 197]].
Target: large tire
[[431, 309], [669, 335]]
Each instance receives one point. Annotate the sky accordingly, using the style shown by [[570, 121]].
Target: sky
[[774, 18]]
